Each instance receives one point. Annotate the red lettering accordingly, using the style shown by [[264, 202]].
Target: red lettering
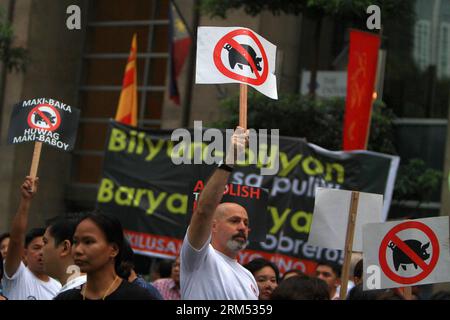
[[199, 186], [255, 193], [230, 187], [245, 191]]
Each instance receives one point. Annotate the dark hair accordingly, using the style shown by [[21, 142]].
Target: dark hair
[[357, 293], [111, 228], [62, 229], [3, 236], [301, 288], [127, 263], [298, 272], [358, 270], [259, 263], [33, 234], [337, 268], [165, 268]]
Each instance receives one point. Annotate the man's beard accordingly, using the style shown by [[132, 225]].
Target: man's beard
[[236, 245]]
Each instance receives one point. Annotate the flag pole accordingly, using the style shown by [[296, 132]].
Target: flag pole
[[243, 106], [349, 244]]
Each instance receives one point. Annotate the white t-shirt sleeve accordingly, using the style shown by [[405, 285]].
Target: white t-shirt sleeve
[[192, 258], [20, 270]]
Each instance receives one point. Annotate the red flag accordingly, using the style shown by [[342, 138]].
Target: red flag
[[361, 72], [180, 42], [127, 108]]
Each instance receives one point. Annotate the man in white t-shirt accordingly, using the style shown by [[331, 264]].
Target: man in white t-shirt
[[216, 234], [28, 282], [57, 253]]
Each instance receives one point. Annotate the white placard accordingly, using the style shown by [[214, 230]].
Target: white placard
[[236, 55], [330, 217]]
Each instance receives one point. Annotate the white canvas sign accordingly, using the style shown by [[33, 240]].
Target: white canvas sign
[[330, 217], [405, 253], [236, 55]]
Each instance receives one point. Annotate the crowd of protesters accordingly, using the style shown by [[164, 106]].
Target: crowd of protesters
[[86, 257]]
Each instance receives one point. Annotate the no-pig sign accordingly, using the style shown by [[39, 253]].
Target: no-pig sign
[[229, 55], [45, 120], [407, 252], [44, 116]]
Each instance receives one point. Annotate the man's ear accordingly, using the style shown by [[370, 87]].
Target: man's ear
[[66, 248]]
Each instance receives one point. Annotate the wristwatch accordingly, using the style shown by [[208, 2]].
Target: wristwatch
[[224, 166]]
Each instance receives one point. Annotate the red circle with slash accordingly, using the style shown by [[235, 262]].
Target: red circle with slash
[[229, 39], [401, 245], [44, 122]]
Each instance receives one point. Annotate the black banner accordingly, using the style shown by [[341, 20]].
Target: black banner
[[151, 195], [46, 120]]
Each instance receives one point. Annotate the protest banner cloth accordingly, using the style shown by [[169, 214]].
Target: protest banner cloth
[[43, 120], [150, 194], [236, 55], [337, 223], [362, 67], [406, 253]]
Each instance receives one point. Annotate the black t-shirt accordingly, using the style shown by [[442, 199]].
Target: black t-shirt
[[126, 291]]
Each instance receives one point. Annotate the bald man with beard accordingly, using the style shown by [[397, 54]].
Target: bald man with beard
[[216, 234]]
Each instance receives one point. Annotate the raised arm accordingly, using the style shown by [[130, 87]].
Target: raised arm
[[19, 227], [202, 218]]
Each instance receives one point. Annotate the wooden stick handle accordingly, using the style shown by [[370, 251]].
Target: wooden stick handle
[[36, 157], [349, 244], [243, 106]]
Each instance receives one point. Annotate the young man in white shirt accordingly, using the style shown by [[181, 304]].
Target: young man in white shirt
[[28, 282], [57, 254], [216, 234]]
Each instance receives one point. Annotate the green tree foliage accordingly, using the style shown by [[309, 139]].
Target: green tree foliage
[[416, 182], [311, 8], [13, 58]]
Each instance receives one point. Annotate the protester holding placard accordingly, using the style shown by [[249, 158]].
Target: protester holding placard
[[215, 236], [28, 282]]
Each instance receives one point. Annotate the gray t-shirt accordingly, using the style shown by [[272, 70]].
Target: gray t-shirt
[[207, 274]]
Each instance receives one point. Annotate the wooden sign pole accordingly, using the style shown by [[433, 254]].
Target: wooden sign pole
[[35, 161], [243, 106], [349, 244]]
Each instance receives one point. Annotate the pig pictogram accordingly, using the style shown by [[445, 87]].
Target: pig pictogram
[[402, 259], [236, 58], [40, 120]]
